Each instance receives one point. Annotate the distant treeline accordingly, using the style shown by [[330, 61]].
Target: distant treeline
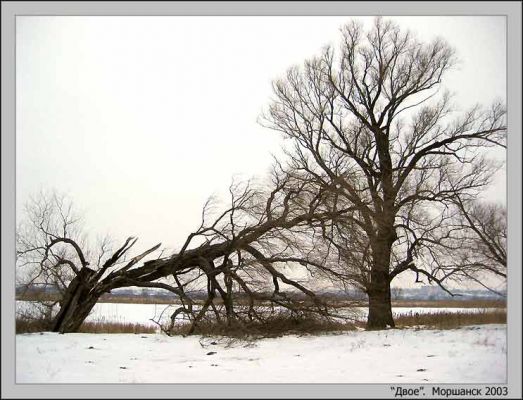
[[421, 293]]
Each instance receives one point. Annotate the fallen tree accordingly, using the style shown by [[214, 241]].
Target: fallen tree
[[240, 250]]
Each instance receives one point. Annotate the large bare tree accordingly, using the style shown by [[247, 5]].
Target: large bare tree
[[368, 123]]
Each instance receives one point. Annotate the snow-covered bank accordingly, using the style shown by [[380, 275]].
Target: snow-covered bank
[[475, 354], [144, 313]]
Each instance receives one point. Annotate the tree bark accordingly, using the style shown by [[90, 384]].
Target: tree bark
[[380, 307], [77, 303]]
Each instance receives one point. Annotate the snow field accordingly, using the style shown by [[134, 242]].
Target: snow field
[[475, 354]]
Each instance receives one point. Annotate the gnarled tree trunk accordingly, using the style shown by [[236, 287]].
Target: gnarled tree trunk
[[77, 303]]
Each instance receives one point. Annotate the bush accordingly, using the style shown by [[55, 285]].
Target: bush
[[283, 323]]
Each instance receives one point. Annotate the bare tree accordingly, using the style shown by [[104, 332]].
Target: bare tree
[[241, 252], [367, 124], [238, 252], [53, 251], [483, 243]]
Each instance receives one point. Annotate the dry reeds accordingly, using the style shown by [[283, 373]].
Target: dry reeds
[[31, 325], [451, 303], [450, 320], [115, 327]]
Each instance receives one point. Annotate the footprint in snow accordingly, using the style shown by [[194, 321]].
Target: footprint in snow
[[210, 353]]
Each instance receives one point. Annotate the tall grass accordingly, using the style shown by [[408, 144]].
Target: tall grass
[[115, 327], [25, 324], [450, 320], [452, 303], [31, 325], [278, 324]]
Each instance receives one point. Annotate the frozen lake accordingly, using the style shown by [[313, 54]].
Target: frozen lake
[[145, 313]]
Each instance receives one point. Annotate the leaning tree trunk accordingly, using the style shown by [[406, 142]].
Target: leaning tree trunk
[[380, 307], [77, 303]]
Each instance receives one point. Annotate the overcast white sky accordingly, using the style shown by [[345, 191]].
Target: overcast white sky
[[140, 119]]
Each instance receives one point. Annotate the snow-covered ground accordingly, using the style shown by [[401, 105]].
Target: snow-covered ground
[[475, 354]]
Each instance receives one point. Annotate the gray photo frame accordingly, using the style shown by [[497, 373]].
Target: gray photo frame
[[10, 9]]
